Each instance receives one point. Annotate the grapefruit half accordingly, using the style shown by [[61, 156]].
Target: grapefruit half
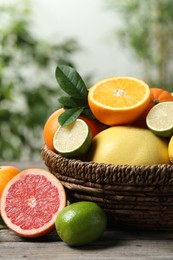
[[31, 201]]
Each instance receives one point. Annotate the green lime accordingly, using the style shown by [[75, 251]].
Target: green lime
[[160, 119], [81, 223], [73, 140]]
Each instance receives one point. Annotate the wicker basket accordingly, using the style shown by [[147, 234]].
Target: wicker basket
[[133, 196]]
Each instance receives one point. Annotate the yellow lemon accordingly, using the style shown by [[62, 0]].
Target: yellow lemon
[[128, 145], [170, 149]]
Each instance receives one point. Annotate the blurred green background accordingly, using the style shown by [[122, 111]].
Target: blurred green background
[[28, 89]]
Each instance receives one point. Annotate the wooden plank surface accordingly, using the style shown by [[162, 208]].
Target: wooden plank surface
[[114, 244]]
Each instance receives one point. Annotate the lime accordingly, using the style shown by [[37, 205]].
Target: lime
[[81, 223], [170, 149], [73, 140], [160, 119]]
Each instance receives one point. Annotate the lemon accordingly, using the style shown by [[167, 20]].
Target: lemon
[[170, 149], [128, 145], [160, 119], [81, 223], [73, 140]]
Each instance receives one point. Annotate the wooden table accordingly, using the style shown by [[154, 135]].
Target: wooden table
[[114, 244]]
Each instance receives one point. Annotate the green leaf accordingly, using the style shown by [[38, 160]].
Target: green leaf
[[71, 82], [70, 115], [87, 112], [71, 102]]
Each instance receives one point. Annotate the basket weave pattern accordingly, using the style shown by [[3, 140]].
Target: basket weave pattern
[[133, 196]]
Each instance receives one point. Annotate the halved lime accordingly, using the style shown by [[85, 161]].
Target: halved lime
[[160, 119], [73, 140]]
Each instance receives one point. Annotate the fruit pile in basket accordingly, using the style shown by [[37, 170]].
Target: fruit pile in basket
[[119, 120]]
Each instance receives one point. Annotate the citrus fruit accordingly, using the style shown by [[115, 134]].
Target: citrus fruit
[[50, 128], [73, 140], [81, 223], [52, 125], [170, 149], [160, 119], [31, 201], [126, 145], [6, 174], [118, 100], [157, 95], [93, 125]]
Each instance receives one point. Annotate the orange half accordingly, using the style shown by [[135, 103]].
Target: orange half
[[118, 100]]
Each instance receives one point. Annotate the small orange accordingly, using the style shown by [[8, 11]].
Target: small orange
[[118, 100], [6, 174], [50, 128], [52, 125], [157, 95]]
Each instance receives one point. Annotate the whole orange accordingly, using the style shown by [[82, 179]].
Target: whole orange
[[52, 125], [50, 128], [6, 174], [157, 95]]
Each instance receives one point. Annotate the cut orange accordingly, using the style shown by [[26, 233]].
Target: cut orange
[[118, 100]]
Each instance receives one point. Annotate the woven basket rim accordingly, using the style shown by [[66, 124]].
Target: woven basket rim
[[157, 174], [75, 160]]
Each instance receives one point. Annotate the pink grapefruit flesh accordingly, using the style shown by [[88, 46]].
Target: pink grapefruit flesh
[[31, 202]]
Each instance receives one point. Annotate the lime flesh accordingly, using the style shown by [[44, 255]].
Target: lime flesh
[[73, 140], [81, 223], [160, 119]]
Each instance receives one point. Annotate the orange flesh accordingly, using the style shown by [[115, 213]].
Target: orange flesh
[[119, 94]]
